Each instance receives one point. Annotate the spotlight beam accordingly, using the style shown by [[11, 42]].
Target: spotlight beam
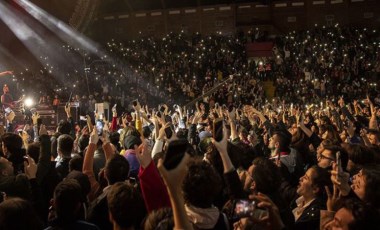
[[61, 29], [29, 35]]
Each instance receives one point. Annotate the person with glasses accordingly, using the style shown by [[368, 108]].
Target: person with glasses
[[326, 155]]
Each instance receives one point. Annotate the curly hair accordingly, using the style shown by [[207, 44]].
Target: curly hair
[[365, 216], [372, 183], [161, 219], [266, 175], [201, 184]]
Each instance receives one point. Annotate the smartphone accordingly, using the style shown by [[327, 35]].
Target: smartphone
[[162, 109], [217, 131], [132, 181], [230, 108], [247, 208], [239, 112], [134, 103], [25, 159], [8, 110], [99, 127], [169, 132], [174, 153], [158, 114], [339, 163]]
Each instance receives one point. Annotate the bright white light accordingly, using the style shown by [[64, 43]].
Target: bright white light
[[28, 102]]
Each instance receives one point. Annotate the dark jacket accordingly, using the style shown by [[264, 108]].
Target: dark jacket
[[62, 168], [310, 217], [77, 225], [98, 212]]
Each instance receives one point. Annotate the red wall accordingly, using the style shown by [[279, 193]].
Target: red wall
[[277, 17]]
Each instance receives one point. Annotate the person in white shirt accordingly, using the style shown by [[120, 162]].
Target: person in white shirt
[[312, 198]]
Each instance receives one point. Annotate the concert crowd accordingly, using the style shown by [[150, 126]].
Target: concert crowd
[[196, 142]]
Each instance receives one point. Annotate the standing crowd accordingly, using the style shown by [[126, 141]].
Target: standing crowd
[[308, 159]]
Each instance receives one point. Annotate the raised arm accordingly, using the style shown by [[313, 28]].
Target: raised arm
[[173, 180], [88, 163], [44, 159], [152, 187], [113, 127], [70, 119], [231, 177], [231, 118], [5, 73], [373, 120], [138, 118]]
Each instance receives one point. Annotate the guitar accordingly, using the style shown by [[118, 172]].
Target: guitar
[[14, 105]]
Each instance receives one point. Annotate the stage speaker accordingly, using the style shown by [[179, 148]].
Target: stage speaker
[[61, 114], [50, 121]]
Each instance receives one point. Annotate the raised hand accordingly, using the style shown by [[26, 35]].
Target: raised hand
[[94, 138], [105, 135], [173, 178], [68, 110], [232, 115], [340, 180], [332, 198], [221, 146], [30, 168], [89, 124], [144, 154], [114, 111], [273, 218], [196, 118]]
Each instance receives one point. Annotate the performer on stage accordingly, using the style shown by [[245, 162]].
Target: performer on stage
[[6, 98], [6, 73]]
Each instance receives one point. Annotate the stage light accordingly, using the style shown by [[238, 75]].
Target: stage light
[[28, 102]]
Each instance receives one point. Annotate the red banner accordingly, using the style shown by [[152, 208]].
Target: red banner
[[259, 49]]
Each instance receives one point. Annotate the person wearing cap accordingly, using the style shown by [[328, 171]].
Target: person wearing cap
[[131, 143]]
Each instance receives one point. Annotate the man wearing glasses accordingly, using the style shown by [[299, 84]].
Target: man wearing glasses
[[326, 154]]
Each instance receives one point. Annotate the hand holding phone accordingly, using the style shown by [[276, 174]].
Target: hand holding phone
[[134, 103], [174, 153], [99, 127], [217, 131], [339, 163], [168, 132], [247, 208]]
